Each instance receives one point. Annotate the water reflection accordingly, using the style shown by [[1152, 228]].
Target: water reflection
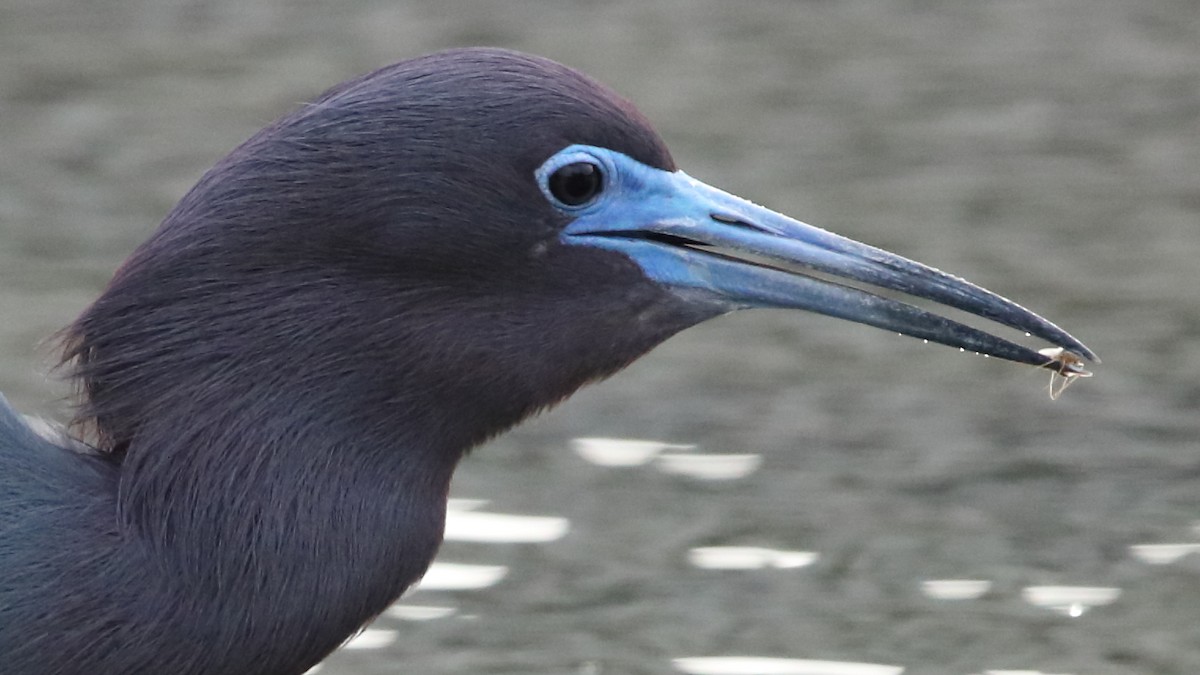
[[501, 528], [748, 558], [1018, 672], [465, 504], [372, 638], [757, 665], [1162, 554], [955, 589], [368, 638], [622, 451], [672, 458], [443, 576], [1070, 600], [420, 612], [709, 467]]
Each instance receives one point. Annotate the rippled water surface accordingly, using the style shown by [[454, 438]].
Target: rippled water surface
[[818, 497]]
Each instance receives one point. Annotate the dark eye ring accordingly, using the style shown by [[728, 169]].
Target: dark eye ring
[[577, 183]]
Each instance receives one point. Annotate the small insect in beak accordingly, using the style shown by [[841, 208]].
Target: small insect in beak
[[1068, 365]]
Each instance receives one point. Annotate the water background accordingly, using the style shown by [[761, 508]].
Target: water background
[[1047, 150]]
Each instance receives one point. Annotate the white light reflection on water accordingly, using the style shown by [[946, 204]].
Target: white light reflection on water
[[1162, 554], [758, 665], [955, 589], [501, 528], [1070, 600], [463, 504], [709, 467], [622, 451], [672, 458], [459, 577], [420, 612], [369, 638], [748, 558], [1017, 672], [372, 638]]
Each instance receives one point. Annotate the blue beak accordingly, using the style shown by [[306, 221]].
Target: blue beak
[[712, 246]]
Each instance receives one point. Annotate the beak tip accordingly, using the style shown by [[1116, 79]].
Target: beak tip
[[1068, 362]]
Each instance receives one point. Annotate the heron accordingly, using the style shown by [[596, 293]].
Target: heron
[[277, 385]]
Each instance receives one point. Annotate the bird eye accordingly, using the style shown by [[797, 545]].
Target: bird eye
[[576, 184]]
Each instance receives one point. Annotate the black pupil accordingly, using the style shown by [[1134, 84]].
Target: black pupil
[[576, 184]]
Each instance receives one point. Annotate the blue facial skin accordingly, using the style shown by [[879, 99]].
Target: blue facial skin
[[702, 242]]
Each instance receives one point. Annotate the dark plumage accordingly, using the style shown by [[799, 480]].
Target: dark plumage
[[281, 380]]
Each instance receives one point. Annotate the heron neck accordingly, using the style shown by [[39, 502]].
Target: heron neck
[[285, 530]]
